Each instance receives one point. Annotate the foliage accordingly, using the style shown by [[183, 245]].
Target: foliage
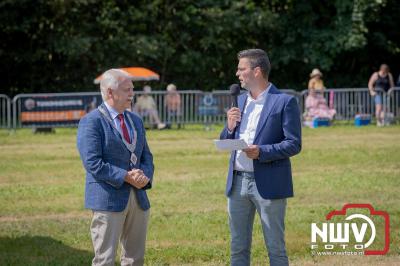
[[62, 45]]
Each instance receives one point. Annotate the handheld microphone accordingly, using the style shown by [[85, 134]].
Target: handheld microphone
[[234, 91]]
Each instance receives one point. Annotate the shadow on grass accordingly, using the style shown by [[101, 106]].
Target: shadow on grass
[[40, 250]]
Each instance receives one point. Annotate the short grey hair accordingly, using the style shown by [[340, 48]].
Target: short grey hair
[[171, 87], [146, 89], [257, 58], [112, 79]]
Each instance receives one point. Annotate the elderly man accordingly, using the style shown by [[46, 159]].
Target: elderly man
[[260, 176], [119, 168]]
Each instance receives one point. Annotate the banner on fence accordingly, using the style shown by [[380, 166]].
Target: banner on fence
[[56, 110]]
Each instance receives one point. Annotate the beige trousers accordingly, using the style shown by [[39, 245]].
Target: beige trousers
[[128, 226]]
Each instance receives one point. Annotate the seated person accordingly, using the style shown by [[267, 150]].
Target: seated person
[[316, 105], [173, 105], [146, 107]]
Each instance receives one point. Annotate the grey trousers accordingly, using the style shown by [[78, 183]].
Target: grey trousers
[[243, 203], [128, 226]]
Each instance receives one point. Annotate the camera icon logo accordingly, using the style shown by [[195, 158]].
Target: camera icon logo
[[355, 232]]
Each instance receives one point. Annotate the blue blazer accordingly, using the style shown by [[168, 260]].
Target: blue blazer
[[278, 136], [107, 160]]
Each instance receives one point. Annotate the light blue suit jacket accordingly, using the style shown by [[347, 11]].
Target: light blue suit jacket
[[107, 161], [278, 135]]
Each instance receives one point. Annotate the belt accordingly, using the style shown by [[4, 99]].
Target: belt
[[244, 174]]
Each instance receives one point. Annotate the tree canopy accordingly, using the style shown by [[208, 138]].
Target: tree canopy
[[62, 45]]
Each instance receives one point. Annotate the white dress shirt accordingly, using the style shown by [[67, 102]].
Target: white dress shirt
[[248, 126], [114, 116]]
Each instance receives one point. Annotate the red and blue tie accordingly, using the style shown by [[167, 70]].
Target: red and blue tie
[[124, 128]]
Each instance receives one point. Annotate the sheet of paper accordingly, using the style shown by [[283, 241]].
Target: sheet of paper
[[230, 144]]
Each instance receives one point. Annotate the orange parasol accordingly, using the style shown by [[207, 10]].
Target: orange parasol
[[137, 73]]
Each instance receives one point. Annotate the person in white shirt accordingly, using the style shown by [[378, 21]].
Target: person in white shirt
[[260, 177], [146, 107]]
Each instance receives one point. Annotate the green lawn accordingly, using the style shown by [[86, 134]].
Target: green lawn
[[43, 222]]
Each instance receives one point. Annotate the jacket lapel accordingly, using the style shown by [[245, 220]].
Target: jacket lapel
[[267, 109], [112, 125]]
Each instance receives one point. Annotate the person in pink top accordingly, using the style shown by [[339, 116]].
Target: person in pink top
[[316, 105]]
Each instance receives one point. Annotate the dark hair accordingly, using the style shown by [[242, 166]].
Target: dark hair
[[257, 58]]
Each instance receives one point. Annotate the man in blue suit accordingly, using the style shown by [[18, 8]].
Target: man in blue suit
[[119, 169], [259, 177]]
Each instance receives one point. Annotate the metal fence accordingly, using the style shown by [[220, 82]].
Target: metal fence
[[188, 114], [65, 109], [347, 102], [393, 101], [5, 111], [198, 106]]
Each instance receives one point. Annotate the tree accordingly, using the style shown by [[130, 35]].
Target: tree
[[59, 46]]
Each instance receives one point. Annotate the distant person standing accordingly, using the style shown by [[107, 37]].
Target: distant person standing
[[173, 105], [379, 84]]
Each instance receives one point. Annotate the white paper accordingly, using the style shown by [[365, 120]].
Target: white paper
[[230, 144]]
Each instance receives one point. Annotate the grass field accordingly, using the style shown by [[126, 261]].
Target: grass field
[[43, 222]]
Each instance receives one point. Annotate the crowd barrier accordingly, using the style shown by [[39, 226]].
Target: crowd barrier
[[5, 111], [349, 102], [188, 114], [197, 106], [393, 101], [66, 109]]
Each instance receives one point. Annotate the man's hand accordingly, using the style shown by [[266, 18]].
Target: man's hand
[[137, 178], [253, 151], [234, 116]]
